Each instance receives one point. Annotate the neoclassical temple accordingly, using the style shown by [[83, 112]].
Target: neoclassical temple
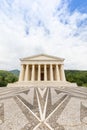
[[42, 68], [42, 71]]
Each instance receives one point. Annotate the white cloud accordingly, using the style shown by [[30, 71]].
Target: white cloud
[[30, 27]]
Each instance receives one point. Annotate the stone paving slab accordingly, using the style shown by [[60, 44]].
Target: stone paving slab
[[25, 108]]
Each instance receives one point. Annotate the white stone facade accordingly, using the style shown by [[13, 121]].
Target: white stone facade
[[42, 68]]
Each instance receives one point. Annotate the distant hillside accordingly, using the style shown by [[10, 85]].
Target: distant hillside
[[15, 72], [7, 77]]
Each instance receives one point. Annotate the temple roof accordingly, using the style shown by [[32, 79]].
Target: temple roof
[[42, 57]]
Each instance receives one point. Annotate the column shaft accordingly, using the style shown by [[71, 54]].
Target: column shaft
[[57, 73], [27, 73], [39, 73], [33, 73], [21, 76], [45, 72], [62, 74], [51, 72]]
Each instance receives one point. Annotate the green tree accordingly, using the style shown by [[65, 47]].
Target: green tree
[[7, 77]]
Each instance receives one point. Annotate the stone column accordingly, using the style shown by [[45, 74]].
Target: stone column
[[21, 76], [27, 73], [39, 73], [62, 74], [57, 73], [33, 73], [45, 72], [51, 72]]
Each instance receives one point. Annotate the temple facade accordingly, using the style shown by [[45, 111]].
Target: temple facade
[[42, 71], [42, 68]]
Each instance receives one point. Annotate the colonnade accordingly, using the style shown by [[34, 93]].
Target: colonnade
[[42, 72]]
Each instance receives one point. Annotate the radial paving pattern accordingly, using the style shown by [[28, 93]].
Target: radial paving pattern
[[43, 108]]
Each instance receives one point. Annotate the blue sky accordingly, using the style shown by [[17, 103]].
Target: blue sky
[[54, 27], [80, 5]]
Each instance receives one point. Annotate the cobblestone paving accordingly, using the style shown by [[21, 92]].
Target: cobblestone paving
[[25, 108]]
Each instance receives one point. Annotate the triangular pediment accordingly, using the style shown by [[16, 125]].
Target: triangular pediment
[[43, 57]]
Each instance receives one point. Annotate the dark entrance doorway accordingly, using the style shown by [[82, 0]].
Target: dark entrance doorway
[[42, 76]]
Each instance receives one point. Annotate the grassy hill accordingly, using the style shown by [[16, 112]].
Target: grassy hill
[[80, 77]]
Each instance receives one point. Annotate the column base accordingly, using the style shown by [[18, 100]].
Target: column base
[[42, 84]]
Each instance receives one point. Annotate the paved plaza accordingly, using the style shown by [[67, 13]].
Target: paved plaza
[[33, 108]]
